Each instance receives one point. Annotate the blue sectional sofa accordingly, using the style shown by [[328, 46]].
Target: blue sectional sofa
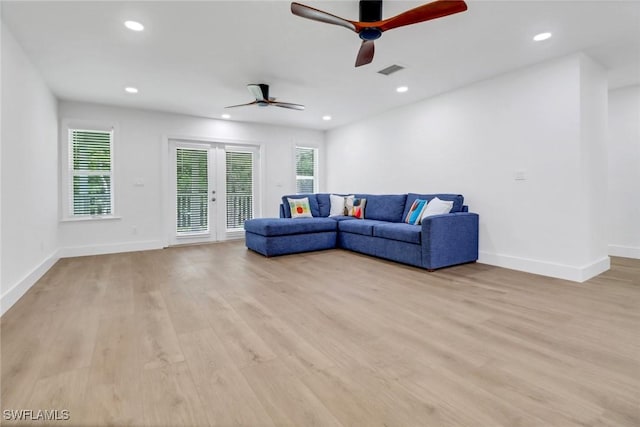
[[440, 241]]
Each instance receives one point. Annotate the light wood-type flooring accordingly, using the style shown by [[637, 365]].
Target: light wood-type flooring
[[218, 335]]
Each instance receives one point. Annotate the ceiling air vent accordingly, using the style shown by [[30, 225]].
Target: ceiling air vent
[[390, 69]]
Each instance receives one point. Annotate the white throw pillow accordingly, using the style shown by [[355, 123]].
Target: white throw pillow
[[338, 204], [436, 207]]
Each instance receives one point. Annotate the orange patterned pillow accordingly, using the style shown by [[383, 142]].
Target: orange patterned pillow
[[357, 210], [300, 208]]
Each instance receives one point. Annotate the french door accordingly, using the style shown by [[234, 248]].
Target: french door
[[193, 178], [213, 190]]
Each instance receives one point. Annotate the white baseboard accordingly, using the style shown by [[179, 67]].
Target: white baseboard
[[9, 298], [624, 251], [75, 251], [545, 268]]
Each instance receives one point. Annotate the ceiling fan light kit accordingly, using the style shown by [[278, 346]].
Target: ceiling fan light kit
[[371, 25]]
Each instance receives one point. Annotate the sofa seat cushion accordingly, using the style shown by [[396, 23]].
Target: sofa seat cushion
[[399, 231], [288, 226], [359, 226], [342, 218]]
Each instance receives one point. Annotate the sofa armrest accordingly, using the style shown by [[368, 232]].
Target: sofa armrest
[[449, 239], [282, 211]]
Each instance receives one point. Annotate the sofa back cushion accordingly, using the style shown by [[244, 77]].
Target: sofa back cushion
[[385, 207], [324, 204], [457, 199], [313, 204]]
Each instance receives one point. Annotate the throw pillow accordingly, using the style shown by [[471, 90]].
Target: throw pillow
[[300, 208], [339, 203], [414, 216], [357, 210], [436, 207]]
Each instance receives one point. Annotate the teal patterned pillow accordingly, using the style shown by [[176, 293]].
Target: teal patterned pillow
[[414, 216]]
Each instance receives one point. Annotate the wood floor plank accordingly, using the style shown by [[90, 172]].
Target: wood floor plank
[[64, 391], [282, 340], [286, 399], [170, 397], [159, 343], [26, 341], [242, 343], [74, 342], [113, 404], [229, 398]]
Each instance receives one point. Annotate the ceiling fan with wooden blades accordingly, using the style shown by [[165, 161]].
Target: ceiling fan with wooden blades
[[261, 93], [371, 25]]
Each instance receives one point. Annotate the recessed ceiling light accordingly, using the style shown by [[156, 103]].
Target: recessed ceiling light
[[131, 89], [541, 36], [402, 89], [134, 25], [325, 118], [226, 116]]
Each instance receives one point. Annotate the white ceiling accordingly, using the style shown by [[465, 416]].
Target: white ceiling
[[197, 57]]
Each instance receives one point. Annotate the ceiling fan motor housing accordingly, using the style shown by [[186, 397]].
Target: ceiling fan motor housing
[[370, 11]]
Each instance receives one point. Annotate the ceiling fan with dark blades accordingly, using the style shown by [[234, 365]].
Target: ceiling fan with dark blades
[[371, 25], [261, 93]]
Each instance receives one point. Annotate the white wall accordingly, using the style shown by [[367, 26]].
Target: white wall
[[624, 172], [593, 154], [29, 188], [139, 147], [472, 141]]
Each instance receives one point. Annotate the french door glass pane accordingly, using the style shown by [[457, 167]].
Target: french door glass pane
[[239, 188], [192, 191]]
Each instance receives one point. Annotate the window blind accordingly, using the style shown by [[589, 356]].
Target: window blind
[[192, 173], [239, 188], [305, 170], [91, 186]]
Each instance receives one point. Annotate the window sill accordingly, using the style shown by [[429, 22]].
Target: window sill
[[192, 235], [91, 218]]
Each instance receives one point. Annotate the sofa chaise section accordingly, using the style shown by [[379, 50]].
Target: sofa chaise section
[[281, 236]]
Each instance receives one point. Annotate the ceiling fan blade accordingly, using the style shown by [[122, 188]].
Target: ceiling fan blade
[[321, 16], [426, 12], [365, 54], [257, 92], [287, 105], [242, 105]]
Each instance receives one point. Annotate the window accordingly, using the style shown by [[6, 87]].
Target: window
[[306, 170], [90, 179], [240, 187]]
